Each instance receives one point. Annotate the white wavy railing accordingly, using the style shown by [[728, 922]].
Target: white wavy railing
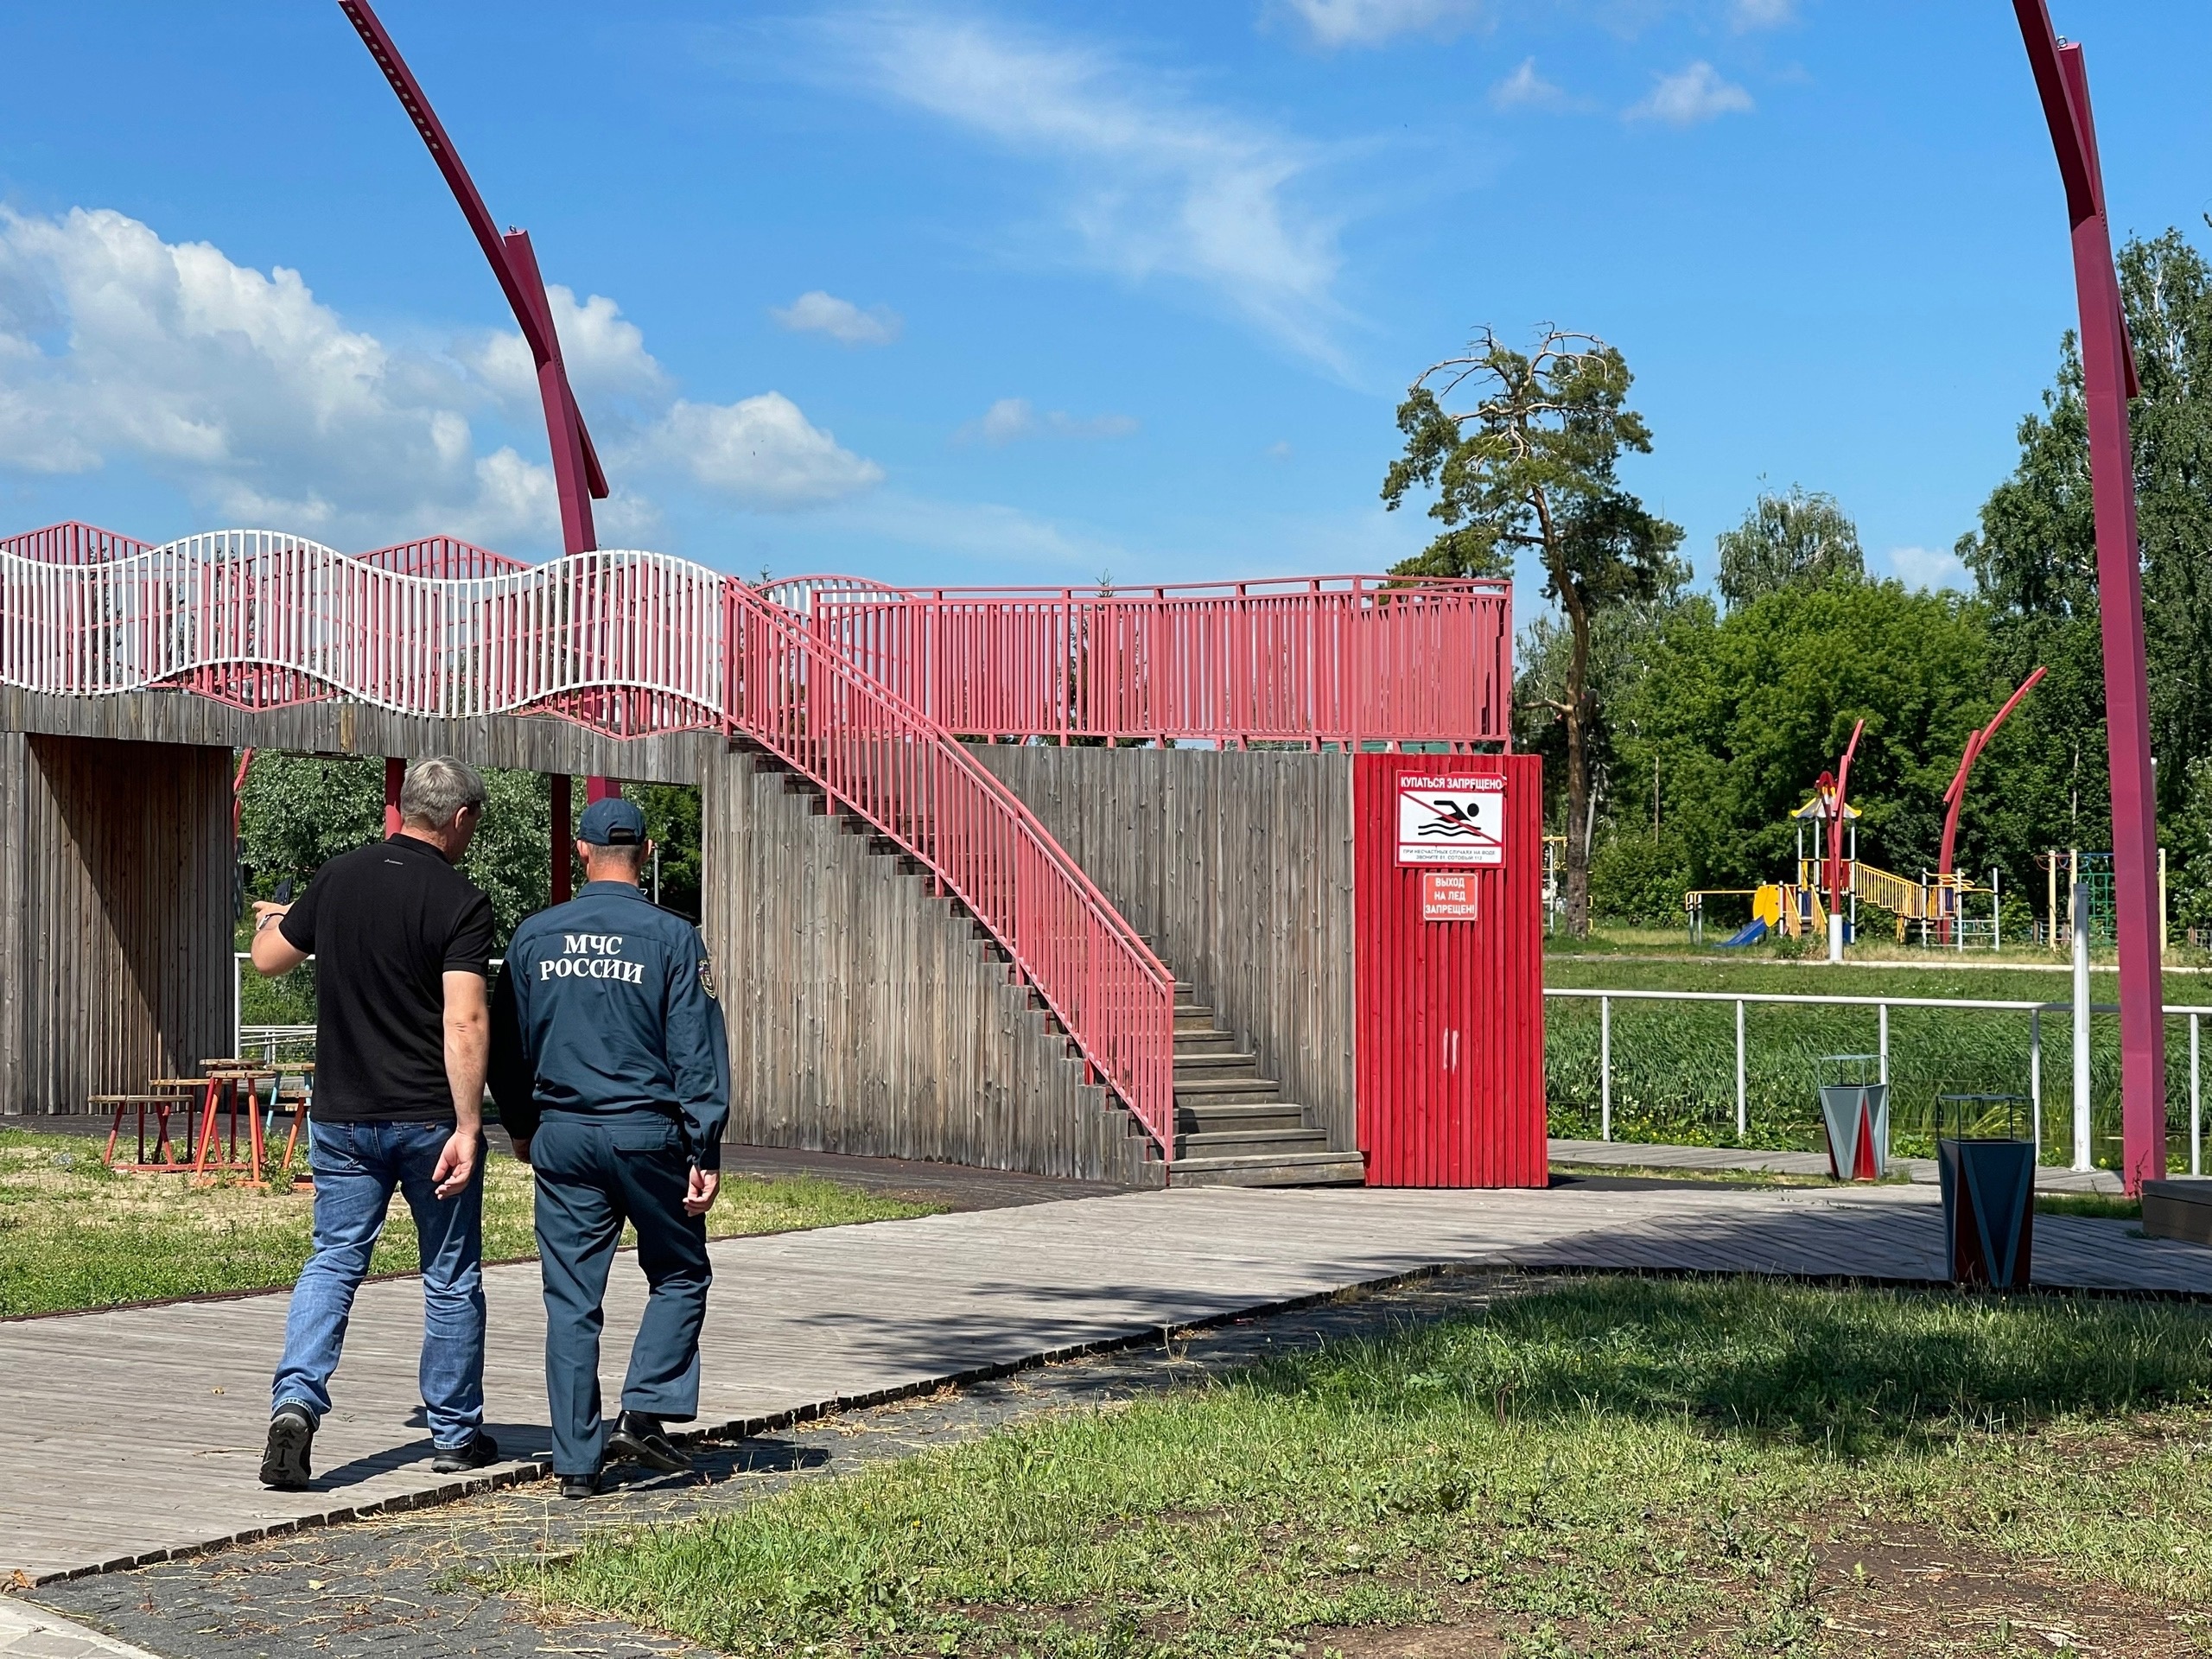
[[625, 642]]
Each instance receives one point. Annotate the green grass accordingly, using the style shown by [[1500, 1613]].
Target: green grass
[[74, 1234], [1612, 1465]]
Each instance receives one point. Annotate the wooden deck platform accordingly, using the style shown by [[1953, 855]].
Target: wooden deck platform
[[138, 1431]]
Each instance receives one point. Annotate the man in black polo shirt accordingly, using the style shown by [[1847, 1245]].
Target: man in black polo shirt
[[402, 943]]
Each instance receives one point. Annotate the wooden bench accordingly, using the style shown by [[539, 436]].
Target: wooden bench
[[166, 1155]]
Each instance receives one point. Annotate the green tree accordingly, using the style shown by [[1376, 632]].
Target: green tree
[[2034, 560], [1522, 449], [1785, 541], [297, 812], [1739, 716]]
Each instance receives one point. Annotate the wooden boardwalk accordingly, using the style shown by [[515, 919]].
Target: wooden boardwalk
[[138, 1431]]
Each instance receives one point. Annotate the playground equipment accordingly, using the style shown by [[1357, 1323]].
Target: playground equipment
[[1802, 907], [1955, 798]]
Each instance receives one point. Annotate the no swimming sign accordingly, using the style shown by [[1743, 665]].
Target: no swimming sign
[[1451, 822]]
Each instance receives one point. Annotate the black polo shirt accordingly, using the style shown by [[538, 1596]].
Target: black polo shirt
[[385, 925]]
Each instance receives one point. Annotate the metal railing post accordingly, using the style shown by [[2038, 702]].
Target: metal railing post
[[2035, 1080], [1882, 1014], [1743, 1116], [1604, 1068], [2195, 1099]]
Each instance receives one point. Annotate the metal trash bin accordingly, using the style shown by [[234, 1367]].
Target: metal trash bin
[[1855, 1111], [1989, 1192]]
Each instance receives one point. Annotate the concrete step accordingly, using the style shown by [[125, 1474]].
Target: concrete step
[[1226, 1092], [1295, 1169], [1196, 1017], [1186, 994], [1216, 1118], [1205, 1042]]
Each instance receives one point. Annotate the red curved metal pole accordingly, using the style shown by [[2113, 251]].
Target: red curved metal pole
[[2108, 380], [577, 475], [1956, 797]]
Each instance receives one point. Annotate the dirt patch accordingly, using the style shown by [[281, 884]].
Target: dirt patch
[[1878, 1588], [1889, 1588]]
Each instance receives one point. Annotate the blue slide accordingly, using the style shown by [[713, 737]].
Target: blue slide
[[1750, 933]]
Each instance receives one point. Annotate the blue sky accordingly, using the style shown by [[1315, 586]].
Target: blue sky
[[997, 292]]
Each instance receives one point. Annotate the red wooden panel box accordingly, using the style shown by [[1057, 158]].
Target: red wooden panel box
[[1451, 1036]]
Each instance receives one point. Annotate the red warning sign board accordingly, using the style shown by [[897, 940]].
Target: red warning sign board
[[1447, 896]]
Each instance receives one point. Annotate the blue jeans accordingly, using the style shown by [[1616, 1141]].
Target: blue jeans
[[356, 1167]]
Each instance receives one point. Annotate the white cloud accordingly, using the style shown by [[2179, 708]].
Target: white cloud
[[1927, 567], [604, 353], [1156, 185], [1749, 15], [818, 313], [1280, 449], [260, 404], [760, 450], [1697, 93], [1335, 23], [1524, 89], [1010, 418], [1025, 544]]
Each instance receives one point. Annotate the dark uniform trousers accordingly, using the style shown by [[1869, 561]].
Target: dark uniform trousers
[[595, 1172]]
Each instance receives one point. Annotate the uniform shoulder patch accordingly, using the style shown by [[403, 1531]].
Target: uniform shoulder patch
[[707, 977]]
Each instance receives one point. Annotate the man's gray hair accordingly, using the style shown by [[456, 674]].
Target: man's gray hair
[[437, 789]]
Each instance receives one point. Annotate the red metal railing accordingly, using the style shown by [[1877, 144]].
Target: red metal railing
[[793, 693], [1322, 660]]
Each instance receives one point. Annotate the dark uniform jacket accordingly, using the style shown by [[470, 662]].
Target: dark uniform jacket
[[606, 1006]]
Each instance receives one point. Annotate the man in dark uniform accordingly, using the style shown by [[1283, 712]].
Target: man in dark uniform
[[612, 1073]]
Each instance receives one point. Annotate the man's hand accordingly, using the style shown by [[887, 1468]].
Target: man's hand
[[521, 1144], [456, 1163], [705, 1185]]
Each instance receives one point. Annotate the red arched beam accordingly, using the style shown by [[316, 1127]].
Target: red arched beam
[[1956, 797], [2108, 382], [576, 472], [1835, 840]]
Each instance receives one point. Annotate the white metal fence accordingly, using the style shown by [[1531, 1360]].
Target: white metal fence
[[1882, 1005]]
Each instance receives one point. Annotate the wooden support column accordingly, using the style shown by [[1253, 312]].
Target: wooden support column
[[15, 857], [601, 789], [564, 834], [395, 775], [117, 881]]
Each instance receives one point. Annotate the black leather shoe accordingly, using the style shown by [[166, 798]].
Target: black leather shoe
[[579, 1486], [481, 1453], [638, 1439], [285, 1465]]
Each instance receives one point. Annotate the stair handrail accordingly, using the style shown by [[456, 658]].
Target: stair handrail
[[871, 752]]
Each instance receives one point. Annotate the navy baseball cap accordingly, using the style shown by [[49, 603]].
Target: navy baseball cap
[[612, 822]]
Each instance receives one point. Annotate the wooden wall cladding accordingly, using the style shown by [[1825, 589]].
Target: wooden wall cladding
[[115, 916], [866, 1017], [1237, 865]]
